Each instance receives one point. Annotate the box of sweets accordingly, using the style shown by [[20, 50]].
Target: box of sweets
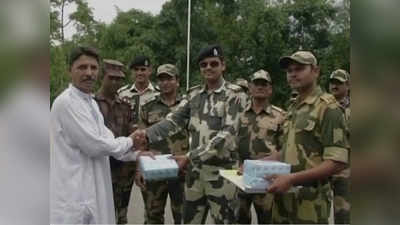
[[160, 168], [254, 172]]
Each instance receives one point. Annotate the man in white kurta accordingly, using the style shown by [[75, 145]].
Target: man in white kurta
[[80, 145]]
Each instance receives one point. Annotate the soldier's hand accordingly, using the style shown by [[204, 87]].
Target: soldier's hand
[[240, 170], [139, 180], [181, 160], [280, 183], [139, 139]]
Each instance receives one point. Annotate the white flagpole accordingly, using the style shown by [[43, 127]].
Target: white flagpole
[[188, 46]]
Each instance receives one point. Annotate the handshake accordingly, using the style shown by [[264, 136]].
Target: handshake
[[140, 143], [139, 138]]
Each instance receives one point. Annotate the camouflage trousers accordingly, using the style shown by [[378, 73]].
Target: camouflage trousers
[[262, 204], [122, 175], [303, 205], [155, 199], [206, 191], [341, 192]]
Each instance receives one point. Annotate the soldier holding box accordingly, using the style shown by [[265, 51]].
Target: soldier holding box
[[260, 127]]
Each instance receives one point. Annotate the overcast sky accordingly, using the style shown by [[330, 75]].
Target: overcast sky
[[104, 10]]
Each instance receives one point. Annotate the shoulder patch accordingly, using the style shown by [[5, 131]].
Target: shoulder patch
[[194, 88], [276, 108], [123, 88], [328, 98], [151, 97], [156, 87], [234, 87]]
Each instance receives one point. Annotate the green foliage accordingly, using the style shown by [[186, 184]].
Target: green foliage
[[59, 77], [57, 22], [253, 33], [87, 29]]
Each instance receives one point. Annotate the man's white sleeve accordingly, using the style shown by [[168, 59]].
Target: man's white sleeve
[[80, 130]]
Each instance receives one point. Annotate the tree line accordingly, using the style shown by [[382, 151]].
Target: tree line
[[253, 34]]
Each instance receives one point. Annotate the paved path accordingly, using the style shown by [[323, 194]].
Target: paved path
[[136, 210]]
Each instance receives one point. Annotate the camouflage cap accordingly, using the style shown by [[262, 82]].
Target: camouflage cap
[[168, 69], [242, 83], [115, 73], [210, 51], [113, 68], [302, 57], [140, 61], [340, 75], [113, 62], [261, 75]]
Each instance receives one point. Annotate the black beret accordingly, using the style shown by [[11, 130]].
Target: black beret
[[210, 51], [140, 61]]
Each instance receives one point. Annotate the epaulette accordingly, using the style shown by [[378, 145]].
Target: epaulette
[[234, 87], [123, 88], [182, 97], [328, 98], [278, 109], [153, 96], [194, 88], [128, 98], [157, 88]]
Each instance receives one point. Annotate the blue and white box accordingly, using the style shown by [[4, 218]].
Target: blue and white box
[[255, 171], [160, 168]]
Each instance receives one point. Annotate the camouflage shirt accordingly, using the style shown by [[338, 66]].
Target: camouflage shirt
[[315, 130], [131, 94], [153, 111], [345, 104], [118, 116], [212, 120], [259, 134]]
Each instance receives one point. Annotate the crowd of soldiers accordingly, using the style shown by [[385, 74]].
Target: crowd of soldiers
[[218, 125]]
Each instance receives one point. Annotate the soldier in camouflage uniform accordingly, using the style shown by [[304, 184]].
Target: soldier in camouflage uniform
[[260, 127], [120, 119], [155, 109], [339, 87], [141, 71], [211, 114], [315, 144], [136, 94]]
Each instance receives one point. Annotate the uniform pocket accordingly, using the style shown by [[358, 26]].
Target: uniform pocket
[[244, 127], [215, 122], [267, 130], [310, 125], [154, 118]]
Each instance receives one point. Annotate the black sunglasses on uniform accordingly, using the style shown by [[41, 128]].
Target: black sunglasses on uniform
[[212, 64]]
